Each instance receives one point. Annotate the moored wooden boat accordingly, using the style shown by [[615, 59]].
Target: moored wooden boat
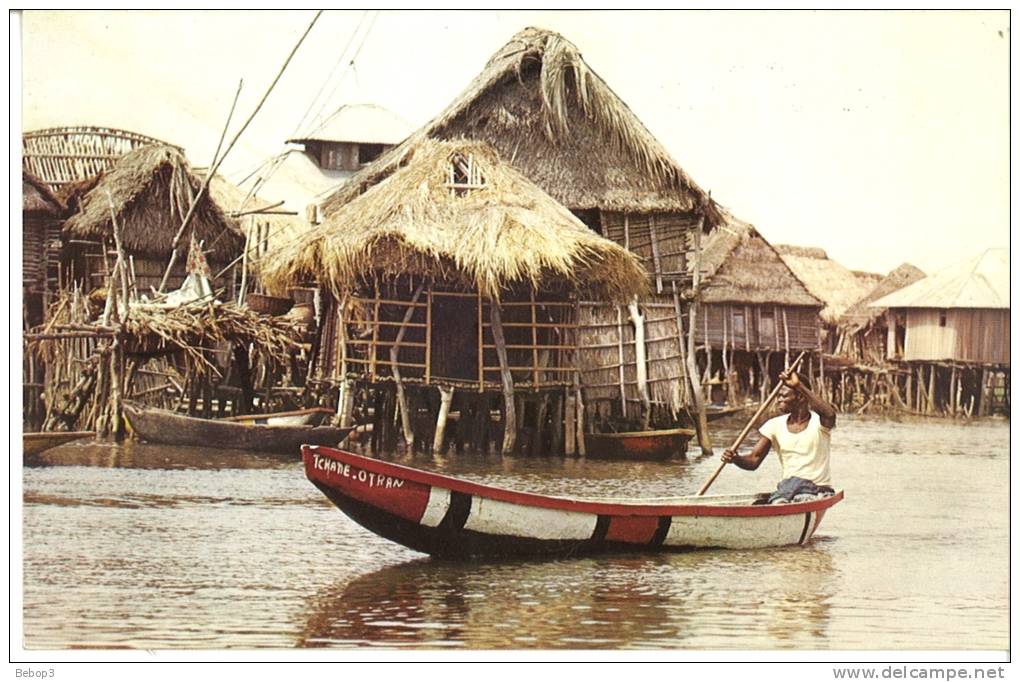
[[450, 517], [35, 443], [313, 416], [161, 426], [638, 445]]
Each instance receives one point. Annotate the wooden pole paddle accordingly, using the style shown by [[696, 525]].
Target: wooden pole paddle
[[747, 427]]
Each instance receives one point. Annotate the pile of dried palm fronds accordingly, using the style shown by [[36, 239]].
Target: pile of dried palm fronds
[[194, 330]]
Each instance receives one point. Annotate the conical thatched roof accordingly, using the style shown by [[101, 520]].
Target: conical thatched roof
[[151, 189], [544, 110], [836, 286], [861, 314], [740, 266], [978, 282], [503, 233], [36, 197]]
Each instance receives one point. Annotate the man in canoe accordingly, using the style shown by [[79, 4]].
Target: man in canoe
[[800, 436]]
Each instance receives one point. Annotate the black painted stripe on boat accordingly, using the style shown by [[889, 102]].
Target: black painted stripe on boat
[[660, 532], [457, 513], [601, 528], [807, 525]]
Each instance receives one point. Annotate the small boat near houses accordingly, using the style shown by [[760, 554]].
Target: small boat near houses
[[161, 426], [449, 517], [313, 416], [656, 446], [34, 443]]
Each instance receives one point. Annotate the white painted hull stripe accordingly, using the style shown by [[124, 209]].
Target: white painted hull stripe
[[503, 518], [435, 510]]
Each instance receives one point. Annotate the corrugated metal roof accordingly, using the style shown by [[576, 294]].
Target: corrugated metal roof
[[367, 123], [978, 282]]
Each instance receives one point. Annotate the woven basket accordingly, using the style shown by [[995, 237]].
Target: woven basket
[[268, 305]]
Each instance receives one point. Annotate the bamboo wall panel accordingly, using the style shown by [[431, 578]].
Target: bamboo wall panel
[[448, 340], [661, 240], [967, 335], [606, 334], [757, 327]]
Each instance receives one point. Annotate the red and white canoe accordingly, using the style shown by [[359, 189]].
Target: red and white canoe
[[450, 517]]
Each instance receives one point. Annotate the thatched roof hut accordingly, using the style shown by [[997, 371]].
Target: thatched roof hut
[[545, 111], [496, 230], [740, 266], [37, 198], [151, 189], [861, 314], [836, 286]]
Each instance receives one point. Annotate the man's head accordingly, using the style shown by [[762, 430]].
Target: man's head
[[790, 399]]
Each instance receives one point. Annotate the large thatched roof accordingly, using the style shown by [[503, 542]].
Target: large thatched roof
[[36, 197], [978, 282], [151, 189], [836, 286], [549, 115], [503, 233], [740, 266], [861, 314]]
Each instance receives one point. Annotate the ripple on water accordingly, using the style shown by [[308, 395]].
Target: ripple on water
[[149, 547]]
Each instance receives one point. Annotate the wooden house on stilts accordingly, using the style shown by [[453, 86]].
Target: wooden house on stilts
[[863, 330], [148, 192], [454, 283], [755, 313], [950, 330], [551, 117]]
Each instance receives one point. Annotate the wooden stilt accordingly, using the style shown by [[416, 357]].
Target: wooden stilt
[[445, 400], [640, 361], [582, 448], [931, 390], [405, 416], [569, 429], [700, 421], [510, 415], [556, 425]]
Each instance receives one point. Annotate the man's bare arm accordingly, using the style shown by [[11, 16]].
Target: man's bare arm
[[751, 460]]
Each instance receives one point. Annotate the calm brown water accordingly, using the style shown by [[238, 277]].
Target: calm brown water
[[151, 547]]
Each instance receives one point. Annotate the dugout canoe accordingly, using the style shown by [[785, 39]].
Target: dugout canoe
[[161, 426], [453, 518], [313, 416], [638, 445], [34, 443]]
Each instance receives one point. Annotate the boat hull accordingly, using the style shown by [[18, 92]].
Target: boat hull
[[310, 417], [34, 443], [161, 426], [449, 517], [638, 445]]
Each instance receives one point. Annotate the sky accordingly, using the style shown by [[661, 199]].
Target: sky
[[882, 137]]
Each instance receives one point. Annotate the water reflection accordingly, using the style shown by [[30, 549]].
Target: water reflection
[[617, 602], [135, 455]]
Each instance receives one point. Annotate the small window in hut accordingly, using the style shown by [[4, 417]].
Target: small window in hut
[[332, 157], [739, 330], [464, 175], [369, 152], [767, 327], [942, 318]]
